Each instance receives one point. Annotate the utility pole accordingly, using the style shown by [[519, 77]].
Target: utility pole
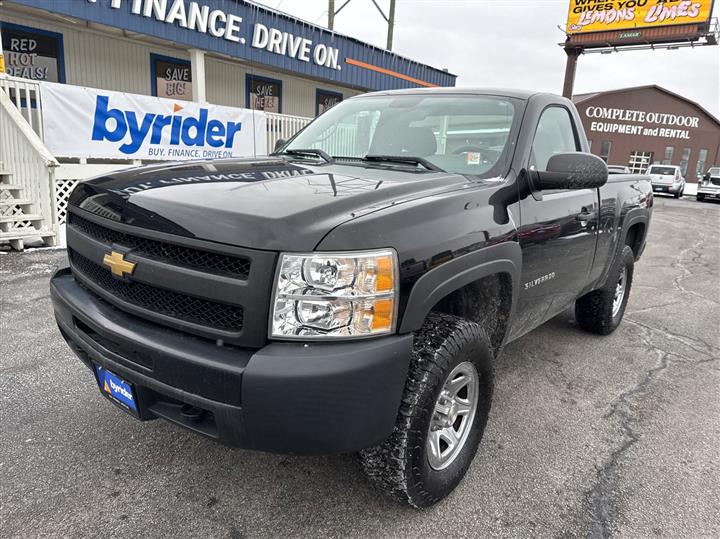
[[391, 24], [389, 18]]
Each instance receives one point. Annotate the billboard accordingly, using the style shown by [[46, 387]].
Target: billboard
[[586, 16], [96, 123]]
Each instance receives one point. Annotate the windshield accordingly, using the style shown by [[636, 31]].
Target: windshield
[[715, 171], [461, 134], [663, 171]]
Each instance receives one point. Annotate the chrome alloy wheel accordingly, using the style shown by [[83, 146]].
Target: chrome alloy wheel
[[453, 415], [619, 292]]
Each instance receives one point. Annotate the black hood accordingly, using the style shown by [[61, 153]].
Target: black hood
[[269, 203]]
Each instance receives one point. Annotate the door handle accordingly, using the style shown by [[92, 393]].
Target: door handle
[[586, 215]]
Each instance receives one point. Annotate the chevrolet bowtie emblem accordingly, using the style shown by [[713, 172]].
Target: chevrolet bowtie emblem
[[118, 265]]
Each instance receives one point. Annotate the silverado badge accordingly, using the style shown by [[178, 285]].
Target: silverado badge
[[118, 265]]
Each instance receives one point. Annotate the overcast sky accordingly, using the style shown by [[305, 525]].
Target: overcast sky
[[513, 44]]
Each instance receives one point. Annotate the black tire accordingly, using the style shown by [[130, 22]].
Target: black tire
[[700, 198], [678, 194], [594, 311], [399, 466]]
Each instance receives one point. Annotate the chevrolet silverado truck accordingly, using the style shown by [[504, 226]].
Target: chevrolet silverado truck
[[352, 291]]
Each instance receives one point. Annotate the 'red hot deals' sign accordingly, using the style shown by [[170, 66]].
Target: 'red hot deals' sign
[[586, 16]]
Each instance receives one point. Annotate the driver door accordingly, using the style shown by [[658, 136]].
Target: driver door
[[557, 231]]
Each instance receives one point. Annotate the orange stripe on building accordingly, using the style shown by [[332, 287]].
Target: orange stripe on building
[[395, 74]]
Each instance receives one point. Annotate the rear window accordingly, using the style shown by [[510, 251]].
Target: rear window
[[663, 171]]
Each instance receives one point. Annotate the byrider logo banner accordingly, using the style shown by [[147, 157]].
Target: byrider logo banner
[[586, 16], [87, 122]]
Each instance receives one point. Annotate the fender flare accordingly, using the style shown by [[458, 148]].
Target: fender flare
[[633, 217], [458, 272]]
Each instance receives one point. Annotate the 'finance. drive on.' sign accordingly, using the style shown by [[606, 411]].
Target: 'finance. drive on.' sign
[[223, 24], [114, 125]]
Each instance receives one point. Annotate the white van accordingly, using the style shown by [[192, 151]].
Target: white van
[[667, 179]]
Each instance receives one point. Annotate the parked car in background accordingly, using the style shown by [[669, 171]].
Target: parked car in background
[[667, 179], [709, 186], [618, 169]]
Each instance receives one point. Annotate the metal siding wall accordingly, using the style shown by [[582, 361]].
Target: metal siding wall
[[122, 18], [226, 86]]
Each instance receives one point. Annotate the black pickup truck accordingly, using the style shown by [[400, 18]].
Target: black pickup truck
[[352, 291]]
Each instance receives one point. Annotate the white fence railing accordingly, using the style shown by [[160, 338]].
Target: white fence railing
[[32, 166], [283, 126], [25, 95]]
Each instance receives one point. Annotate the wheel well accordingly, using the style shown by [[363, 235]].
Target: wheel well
[[486, 302], [634, 237]]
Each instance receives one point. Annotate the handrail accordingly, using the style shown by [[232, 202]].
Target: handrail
[[25, 93], [27, 131]]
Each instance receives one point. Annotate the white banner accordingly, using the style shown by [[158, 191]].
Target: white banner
[[87, 122]]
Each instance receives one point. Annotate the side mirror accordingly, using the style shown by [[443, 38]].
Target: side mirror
[[575, 170], [279, 143]]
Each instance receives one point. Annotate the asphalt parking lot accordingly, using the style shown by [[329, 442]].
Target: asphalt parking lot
[[588, 436]]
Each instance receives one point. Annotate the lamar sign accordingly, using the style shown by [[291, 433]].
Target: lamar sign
[[117, 125]]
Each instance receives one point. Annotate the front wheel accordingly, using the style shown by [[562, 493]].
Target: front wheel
[[700, 198], [601, 311], [442, 414]]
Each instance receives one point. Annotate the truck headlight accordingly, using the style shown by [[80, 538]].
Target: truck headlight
[[335, 295]]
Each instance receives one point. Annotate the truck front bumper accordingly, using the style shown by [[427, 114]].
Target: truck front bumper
[[297, 398]]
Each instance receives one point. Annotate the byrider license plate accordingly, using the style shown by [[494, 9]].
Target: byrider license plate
[[117, 389]]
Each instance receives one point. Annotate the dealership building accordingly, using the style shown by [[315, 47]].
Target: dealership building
[[225, 52], [640, 126]]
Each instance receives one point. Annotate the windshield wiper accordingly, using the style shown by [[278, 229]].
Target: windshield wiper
[[404, 159], [314, 152]]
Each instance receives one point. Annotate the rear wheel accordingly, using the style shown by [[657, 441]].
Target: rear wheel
[[601, 311], [442, 414]]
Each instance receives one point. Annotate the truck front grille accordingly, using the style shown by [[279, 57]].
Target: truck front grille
[[179, 255], [161, 301]]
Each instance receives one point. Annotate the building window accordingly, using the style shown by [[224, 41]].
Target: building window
[[170, 77], [605, 147], [684, 160], [33, 54], [700, 167], [640, 161], [263, 93], [325, 99], [669, 150]]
